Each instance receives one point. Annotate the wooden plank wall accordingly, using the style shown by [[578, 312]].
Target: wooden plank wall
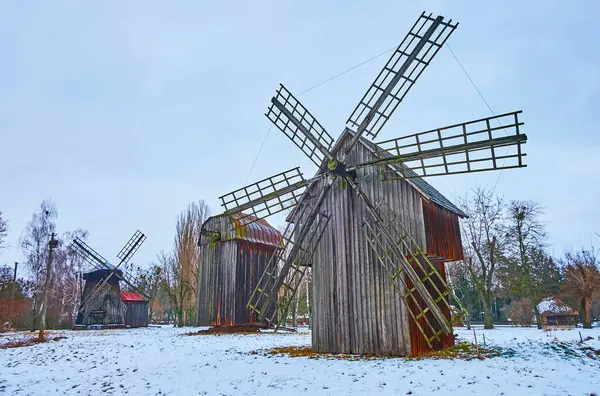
[[443, 232], [216, 272], [228, 272], [136, 313], [108, 298], [252, 261], [356, 309]]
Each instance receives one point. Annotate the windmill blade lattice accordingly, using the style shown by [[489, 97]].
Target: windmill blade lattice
[[461, 148], [131, 246], [89, 255], [403, 263], [296, 249], [299, 125], [428, 273], [268, 196], [400, 73]]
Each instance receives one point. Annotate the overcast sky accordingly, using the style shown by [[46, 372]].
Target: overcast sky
[[124, 112]]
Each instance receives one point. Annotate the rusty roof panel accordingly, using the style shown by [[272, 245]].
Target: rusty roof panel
[[251, 229]]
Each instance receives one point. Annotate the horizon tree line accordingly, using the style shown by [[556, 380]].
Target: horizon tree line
[[506, 272]]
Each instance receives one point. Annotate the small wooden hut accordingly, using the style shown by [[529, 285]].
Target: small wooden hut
[[356, 308], [136, 309], [233, 255], [555, 313], [105, 306]]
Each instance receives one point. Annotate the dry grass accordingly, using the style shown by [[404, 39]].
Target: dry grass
[[220, 331], [463, 351], [306, 351]]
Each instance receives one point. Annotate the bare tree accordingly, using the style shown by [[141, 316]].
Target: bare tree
[[34, 243], [148, 280], [521, 311], [3, 233], [582, 280], [174, 284], [483, 234], [187, 254], [461, 282], [525, 247], [67, 285]]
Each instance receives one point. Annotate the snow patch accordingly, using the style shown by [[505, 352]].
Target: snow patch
[[160, 360]]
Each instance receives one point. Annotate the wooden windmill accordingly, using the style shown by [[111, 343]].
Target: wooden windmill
[[101, 300], [375, 233]]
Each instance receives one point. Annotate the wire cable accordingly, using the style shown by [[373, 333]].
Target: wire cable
[[488, 106], [310, 89]]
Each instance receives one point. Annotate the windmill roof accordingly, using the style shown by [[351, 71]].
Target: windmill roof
[[426, 189], [249, 228], [244, 227], [420, 184], [132, 296], [101, 273]]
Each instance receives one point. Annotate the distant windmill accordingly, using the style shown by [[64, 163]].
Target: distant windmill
[[101, 302], [375, 233]]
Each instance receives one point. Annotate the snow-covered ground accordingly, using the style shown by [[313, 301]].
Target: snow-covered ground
[[160, 361]]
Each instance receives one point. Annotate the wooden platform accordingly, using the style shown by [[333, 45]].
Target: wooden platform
[[100, 327]]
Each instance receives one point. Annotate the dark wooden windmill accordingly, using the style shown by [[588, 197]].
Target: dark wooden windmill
[[376, 234], [102, 303]]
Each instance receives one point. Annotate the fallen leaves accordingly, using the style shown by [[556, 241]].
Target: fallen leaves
[[30, 341]]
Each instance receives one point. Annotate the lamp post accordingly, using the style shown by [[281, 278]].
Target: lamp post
[[51, 246]]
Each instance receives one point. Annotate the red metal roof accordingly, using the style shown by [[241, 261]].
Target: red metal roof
[[131, 296], [249, 228]]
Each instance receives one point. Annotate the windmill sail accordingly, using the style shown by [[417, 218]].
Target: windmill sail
[[426, 271], [404, 258], [294, 265], [268, 196], [296, 250], [89, 255], [299, 125], [400, 73], [473, 146]]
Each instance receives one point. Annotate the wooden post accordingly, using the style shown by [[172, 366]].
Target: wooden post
[[476, 345], [12, 296], [51, 245]]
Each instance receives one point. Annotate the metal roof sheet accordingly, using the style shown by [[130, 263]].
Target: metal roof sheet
[[249, 228], [131, 296]]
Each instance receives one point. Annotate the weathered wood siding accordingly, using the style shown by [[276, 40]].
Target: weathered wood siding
[[105, 307], [442, 232], [228, 272], [356, 308], [136, 313]]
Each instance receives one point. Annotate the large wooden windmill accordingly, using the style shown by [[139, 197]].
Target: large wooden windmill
[[375, 233], [101, 300]]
